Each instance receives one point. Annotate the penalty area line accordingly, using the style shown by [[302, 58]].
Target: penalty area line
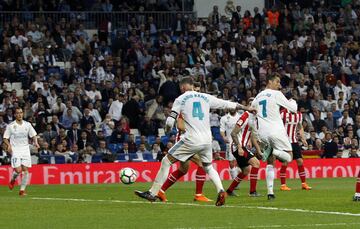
[[304, 225], [203, 205]]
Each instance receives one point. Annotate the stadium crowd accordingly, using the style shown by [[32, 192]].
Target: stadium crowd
[[86, 110]]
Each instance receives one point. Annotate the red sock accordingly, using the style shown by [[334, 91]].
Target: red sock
[[302, 173], [283, 174], [200, 180], [358, 183], [253, 179], [236, 182], [172, 178]]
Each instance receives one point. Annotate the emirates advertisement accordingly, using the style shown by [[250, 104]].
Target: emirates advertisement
[[101, 173]]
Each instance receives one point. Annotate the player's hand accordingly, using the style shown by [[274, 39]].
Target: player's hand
[[304, 142], [36, 145], [9, 149], [251, 110], [240, 151]]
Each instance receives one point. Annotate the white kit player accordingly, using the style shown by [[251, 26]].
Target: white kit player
[[271, 130], [195, 109], [16, 139], [227, 124]]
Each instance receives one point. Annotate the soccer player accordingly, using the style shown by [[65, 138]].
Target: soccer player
[[195, 109], [357, 191], [227, 124], [293, 125], [271, 128], [16, 139], [241, 134], [184, 166]]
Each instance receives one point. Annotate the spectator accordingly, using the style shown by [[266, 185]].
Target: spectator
[[116, 107], [330, 147], [87, 119], [74, 133], [131, 143], [107, 156], [125, 149]]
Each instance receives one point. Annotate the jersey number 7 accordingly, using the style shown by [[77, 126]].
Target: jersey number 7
[[197, 111], [263, 104]]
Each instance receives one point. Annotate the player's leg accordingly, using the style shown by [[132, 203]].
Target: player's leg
[[172, 178], [206, 158], [270, 176], [357, 191], [283, 186], [200, 178], [300, 164], [233, 168], [242, 161], [255, 165], [281, 147], [24, 180], [16, 165]]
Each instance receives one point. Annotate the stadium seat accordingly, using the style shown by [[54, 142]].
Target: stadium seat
[[136, 157], [164, 139], [59, 159], [16, 86], [122, 157], [53, 70], [151, 139], [8, 86], [161, 132], [135, 132], [74, 157], [113, 148], [137, 140], [148, 157], [96, 158]]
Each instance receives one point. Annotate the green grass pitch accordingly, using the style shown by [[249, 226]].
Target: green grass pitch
[[115, 206]]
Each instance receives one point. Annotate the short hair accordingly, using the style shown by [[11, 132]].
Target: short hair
[[187, 80], [197, 84], [271, 77]]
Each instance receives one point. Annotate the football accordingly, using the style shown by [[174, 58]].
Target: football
[[128, 175]]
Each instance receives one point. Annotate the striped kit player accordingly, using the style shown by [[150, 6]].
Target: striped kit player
[[293, 126]]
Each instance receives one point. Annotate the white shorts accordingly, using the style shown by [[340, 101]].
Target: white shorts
[[182, 151], [228, 154], [277, 140], [19, 160]]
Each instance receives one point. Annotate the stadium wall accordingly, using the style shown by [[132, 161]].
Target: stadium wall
[[109, 172], [204, 7]]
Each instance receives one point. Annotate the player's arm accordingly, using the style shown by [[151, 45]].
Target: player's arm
[[180, 124], [235, 138], [256, 144], [216, 103], [302, 134], [222, 130], [170, 121], [6, 138], [33, 136], [290, 104]]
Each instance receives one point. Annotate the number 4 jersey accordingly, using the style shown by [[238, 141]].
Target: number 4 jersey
[[268, 103], [195, 110]]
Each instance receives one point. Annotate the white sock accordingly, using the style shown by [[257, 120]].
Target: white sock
[[233, 172], [14, 175], [24, 180], [282, 155], [270, 175], [357, 194], [161, 176], [214, 176]]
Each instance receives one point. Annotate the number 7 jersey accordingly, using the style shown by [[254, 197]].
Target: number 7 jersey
[[268, 103], [195, 110]]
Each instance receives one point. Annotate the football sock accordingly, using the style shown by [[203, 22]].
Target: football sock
[[214, 176], [172, 178], [14, 175], [302, 173], [253, 179], [200, 180], [283, 174], [270, 175], [358, 184], [24, 180], [282, 155], [161, 176], [236, 182], [233, 172]]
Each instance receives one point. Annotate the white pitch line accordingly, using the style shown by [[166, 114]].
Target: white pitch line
[[203, 205], [304, 225]]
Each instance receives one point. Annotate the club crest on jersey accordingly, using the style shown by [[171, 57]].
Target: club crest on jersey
[[241, 122]]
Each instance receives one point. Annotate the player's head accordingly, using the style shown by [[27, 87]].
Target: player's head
[[273, 81], [19, 114], [197, 86], [232, 111], [186, 84]]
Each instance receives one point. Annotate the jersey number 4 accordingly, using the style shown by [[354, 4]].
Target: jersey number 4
[[197, 111], [263, 104]]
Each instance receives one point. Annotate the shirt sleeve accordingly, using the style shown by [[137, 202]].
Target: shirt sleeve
[[281, 100], [242, 119], [222, 124], [32, 132], [7, 132], [216, 103]]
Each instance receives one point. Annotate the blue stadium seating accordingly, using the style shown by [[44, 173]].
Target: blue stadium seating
[[151, 139], [133, 156], [74, 157], [164, 139], [96, 158], [148, 157], [114, 148], [137, 140], [122, 157], [59, 159]]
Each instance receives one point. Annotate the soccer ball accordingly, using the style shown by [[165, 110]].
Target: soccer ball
[[128, 175]]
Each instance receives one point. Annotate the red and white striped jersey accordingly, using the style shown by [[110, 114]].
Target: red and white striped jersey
[[291, 121], [245, 133]]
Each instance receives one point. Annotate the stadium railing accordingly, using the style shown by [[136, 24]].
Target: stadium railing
[[93, 19]]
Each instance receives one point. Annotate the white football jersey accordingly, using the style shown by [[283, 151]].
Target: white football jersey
[[195, 110], [227, 124], [18, 136], [267, 104]]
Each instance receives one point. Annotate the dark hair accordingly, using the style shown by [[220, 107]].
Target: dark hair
[[272, 77], [187, 80], [197, 84]]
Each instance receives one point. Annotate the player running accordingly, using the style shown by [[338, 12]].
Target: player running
[[227, 124], [357, 191], [271, 128], [184, 166], [195, 109], [16, 139], [244, 130], [293, 125]]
